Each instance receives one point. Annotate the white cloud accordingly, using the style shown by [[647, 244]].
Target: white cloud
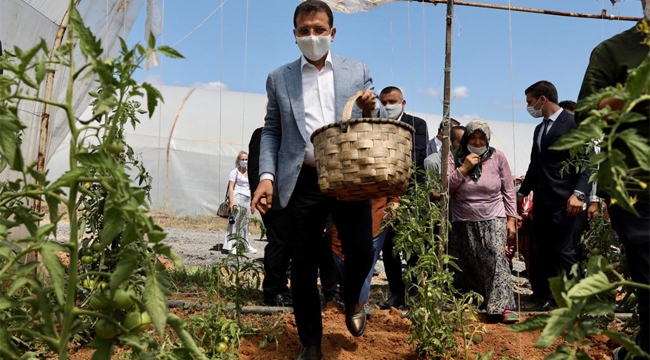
[[430, 92], [153, 79], [460, 92], [213, 85]]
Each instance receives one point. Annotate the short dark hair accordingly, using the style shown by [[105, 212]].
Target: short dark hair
[[453, 122], [452, 136], [313, 7], [389, 89], [544, 88], [568, 105]]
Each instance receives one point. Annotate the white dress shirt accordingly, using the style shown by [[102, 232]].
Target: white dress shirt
[[548, 128], [318, 96]]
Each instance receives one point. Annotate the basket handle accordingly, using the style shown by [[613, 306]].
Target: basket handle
[[347, 112]]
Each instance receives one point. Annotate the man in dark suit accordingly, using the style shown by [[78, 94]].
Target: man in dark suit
[[277, 254], [608, 65], [559, 198], [435, 144], [393, 100], [305, 95]]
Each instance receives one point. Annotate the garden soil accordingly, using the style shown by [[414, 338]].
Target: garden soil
[[387, 333]]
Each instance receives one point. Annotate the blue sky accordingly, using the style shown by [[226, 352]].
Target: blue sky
[[403, 45]]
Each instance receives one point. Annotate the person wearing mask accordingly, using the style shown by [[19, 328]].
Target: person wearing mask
[[435, 144], [277, 254], [483, 216], [305, 95], [393, 100], [559, 197], [239, 194], [608, 65]]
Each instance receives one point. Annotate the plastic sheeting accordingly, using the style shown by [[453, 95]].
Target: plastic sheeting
[[24, 22], [190, 145], [353, 6]]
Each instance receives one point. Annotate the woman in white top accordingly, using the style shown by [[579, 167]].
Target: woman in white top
[[239, 194]]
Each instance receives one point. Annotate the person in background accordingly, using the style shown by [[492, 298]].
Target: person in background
[[568, 105], [305, 95], [483, 216], [560, 197], [433, 161], [608, 65], [239, 194], [594, 200], [277, 254], [393, 100], [435, 144]]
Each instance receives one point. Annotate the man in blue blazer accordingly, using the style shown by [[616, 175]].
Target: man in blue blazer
[[559, 197], [303, 96]]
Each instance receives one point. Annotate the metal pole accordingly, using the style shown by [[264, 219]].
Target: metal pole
[[447, 124], [603, 15]]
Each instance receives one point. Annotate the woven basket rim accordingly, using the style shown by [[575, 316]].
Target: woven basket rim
[[363, 120]]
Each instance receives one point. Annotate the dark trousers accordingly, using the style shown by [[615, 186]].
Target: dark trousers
[[308, 209], [634, 234], [393, 266], [277, 253], [327, 270], [552, 246]]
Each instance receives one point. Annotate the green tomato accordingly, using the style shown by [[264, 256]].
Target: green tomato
[[87, 259], [222, 347], [137, 322], [97, 246], [88, 283], [106, 329], [98, 302], [115, 147], [122, 298]]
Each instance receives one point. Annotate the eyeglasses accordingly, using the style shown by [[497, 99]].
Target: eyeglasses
[[318, 31]]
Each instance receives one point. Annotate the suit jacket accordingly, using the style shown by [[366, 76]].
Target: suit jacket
[[254, 159], [420, 140], [544, 176], [285, 137]]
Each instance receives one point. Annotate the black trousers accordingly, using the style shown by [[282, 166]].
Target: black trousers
[[634, 234], [308, 210], [393, 266], [277, 253], [552, 246], [327, 270]]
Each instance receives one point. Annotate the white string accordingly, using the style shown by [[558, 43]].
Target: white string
[[160, 149], [245, 63], [203, 22], [408, 21], [514, 158], [392, 42], [424, 51], [220, 90]]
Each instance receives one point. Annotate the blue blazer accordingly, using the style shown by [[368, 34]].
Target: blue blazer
[[544, 175], [285, 137]]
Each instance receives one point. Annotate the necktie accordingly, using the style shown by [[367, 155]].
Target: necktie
[[544, 130]]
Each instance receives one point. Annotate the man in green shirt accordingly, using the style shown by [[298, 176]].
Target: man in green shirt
[[608, 66]]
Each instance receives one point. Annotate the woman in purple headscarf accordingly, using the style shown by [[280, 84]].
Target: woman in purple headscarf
[[483, 215]]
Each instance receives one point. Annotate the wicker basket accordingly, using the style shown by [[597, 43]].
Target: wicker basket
[[361, 159]]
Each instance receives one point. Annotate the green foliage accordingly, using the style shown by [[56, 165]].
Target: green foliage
[[579, 308], [602, 127], [46, 312], [439, 309]]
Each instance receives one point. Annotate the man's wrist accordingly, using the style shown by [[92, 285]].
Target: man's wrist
[[579, 194]]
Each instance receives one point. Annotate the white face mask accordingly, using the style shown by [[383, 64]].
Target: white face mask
[[243, 164], [314, 47], [477, 150], [394, 110], [536, 113]]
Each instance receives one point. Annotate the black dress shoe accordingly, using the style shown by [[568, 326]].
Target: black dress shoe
[[355, 320], [279, 300], [548, 305], [393, 301], [311, 353]]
